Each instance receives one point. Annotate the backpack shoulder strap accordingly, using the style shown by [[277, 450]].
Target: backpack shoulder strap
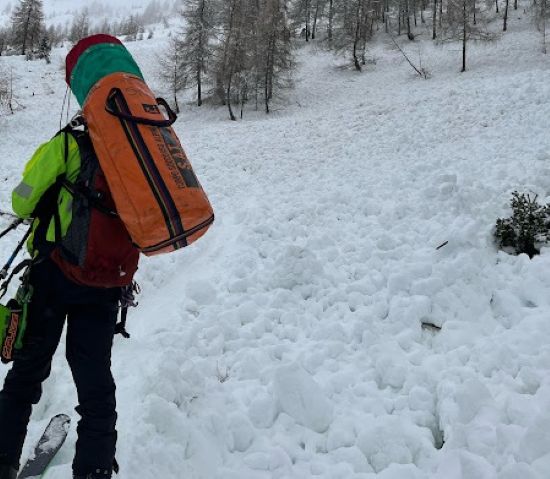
[[89, 164], [47, 206]]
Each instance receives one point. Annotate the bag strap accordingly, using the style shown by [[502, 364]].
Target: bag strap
[[47, 207], [27, 263], [93, 197], [120, 327], [127, 300], [111, 107]]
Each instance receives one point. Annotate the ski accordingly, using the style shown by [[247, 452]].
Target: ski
[[51, 441]]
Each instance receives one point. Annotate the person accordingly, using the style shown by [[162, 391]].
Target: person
[[89, 311]]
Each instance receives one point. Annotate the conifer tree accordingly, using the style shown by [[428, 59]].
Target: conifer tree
[[131, 28], [196, 43], [318, 8], [231, 66], [153, 12], [465, 24], [302, 13], [105, 27], [352, 29], [27, 25], [4, 36], [541, 13], [44, 48], [275, 55], [80, 27], [171, 70]]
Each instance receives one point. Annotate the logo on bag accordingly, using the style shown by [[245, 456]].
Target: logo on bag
[[151, 109], [7, 348], [175, 158]]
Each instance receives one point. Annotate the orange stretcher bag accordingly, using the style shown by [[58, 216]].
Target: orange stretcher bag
[[155, 190]]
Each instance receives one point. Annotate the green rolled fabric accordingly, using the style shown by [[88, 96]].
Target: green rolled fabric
[[97, 62]]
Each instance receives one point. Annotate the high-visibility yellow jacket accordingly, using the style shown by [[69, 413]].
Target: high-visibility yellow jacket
[[48, 163]]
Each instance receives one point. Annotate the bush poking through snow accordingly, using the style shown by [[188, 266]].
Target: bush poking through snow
[[527, 228], [5, 94]]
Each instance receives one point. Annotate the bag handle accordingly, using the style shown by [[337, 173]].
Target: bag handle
[[172, 117]]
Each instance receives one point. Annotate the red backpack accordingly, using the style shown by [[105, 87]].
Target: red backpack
[[96, 250]]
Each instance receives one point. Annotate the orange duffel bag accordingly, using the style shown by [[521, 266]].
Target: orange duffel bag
[[155, 190]]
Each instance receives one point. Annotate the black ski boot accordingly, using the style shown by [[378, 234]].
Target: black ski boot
[[7, 472], [97, 474]]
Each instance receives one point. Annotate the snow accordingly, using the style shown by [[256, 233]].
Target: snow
[[61, 12], [289, 341]]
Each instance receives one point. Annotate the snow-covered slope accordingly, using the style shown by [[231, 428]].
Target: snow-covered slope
[[288, 343], [61, 12]]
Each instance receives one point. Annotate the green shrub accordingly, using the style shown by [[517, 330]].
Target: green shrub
[[528, 227]]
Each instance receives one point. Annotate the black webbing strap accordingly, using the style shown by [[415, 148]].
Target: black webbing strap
[[20, 267], [120, 327], [93, 197], [116, 467], [127, 300]]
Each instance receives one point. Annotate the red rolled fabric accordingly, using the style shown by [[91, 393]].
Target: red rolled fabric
[[81, 47]]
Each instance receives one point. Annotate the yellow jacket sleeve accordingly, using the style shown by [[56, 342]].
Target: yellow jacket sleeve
[[41, 172]]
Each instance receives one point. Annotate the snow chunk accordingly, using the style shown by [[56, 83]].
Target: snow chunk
[[536, 441], [271, 460], [302, 398], [202, 292], [460, 464], [262, 411], [518, 470], [354, 457], [388, 440], [401, 471], [341, 434], [471, 399], [296, 266], [242, 431]]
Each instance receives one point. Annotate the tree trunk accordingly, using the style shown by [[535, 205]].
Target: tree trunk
[[314, 30], [505, 27], [199, 88], [176, 85], [400, 16], [464, 34], [330, 19], [496, 3], [26, 30], [307, 20], [227, 58], [434, 35], [543, 27], [10, 96], [408, 13], [266, 93], [356, 61], [231, 115], [200, 60]]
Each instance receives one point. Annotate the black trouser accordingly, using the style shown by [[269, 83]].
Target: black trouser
[[91, 316]]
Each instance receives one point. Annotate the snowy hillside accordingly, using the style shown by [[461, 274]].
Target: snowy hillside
[[291, 341], [60, 12]]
